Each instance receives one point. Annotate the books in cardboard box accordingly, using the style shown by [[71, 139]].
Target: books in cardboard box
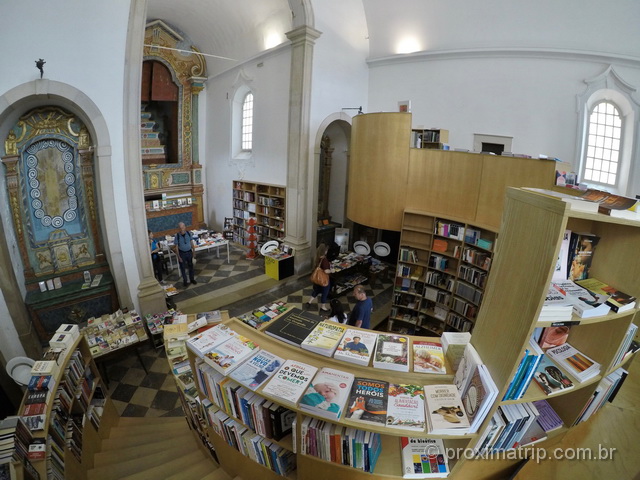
[[228, 355], [356, 346], [405, 407], [618, 301], [293, 326], [574, 362], [205, 341], [392, 352], [327, 394], [444, 410], [257, 369], [368, 401], [550, 378], [423, 458], [290, 381], [324, 338], [428, 357]]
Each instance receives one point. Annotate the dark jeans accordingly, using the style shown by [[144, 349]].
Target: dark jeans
[[318, 289], [187, 262], [157, 266]]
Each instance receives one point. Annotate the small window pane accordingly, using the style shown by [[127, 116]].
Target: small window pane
[[603, 146]]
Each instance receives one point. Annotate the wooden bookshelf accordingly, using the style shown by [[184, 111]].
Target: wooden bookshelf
[[443, 266], [263, 201], [434, 138]]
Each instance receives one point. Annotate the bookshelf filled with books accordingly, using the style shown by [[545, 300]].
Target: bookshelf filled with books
[[72, 412], [443, 266], [263, 201], [429, 138], [586, 362]]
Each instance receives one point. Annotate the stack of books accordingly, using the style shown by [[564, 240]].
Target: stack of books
[[445, 412], [575, 363]]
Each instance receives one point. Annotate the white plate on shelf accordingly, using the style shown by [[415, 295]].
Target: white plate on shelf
[[361, 248], [19, 368], [269, 246], [382, 249]]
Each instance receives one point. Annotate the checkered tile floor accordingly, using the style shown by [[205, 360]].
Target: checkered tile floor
[[136, 394]]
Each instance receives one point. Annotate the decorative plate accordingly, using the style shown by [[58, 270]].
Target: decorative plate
[[361, 248], [269, 246], [19, 368], [381, 249]]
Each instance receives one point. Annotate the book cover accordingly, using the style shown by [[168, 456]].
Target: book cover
[[574, 362], [581, 250], [560, 271], [453, 344], [423, 458], [405, 407], [44, 367], [618, 301], [548, 419], [466, 368], [324, 338], [205, 341], [34, 409], [444, 410], [175, 331], [228, 355], [356, 346], [585, 304], [554, 336], [428, 357], [368, 401], [293, 326], [327, 394], [257, 369], [392, 352], [290, 381], [478, 397], [37, 449]]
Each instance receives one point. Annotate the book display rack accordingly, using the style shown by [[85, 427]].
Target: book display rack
[[77, 416], [443, 266], [429, 138], [263, 201]]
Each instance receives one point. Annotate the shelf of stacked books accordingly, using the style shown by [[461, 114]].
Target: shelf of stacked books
[[443, 266], [66, 408], [300, 394], [557, 320]]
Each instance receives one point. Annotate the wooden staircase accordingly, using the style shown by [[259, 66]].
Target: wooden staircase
[[153, 448]]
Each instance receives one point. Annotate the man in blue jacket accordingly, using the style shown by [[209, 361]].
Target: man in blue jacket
[[185, 250]]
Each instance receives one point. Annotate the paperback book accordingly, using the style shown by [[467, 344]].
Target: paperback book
[[327, 394], [444, 410], [290, 382], [423, 458], [357, 346], [368, 401], [205, 341], [470, 360], [548, 419], [392, 352], [561, 272], [585, 304], [228, 355], [618, 301], [550, 378], [453, 344], [428, 357], [324, 338], [405, 407], [478, 397], [257, 369], [293, 326], [574, 362], [554, 336], [581, 250]]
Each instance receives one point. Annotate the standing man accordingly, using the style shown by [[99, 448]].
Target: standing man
[[185, 250], [361, 313]]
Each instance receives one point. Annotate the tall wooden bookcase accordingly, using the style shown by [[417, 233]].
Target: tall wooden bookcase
[[77, 427], [443, 266], [263, 201]]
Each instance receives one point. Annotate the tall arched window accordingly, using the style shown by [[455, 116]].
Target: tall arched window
[[601, 162], [247, 123]]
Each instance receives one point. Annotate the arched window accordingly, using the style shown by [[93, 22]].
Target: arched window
[[247, 123], [602, 155]]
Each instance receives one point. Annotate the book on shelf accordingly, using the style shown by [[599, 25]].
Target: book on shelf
[[585, 304], [428, 357], [618, 301], [392, 352], [478, 397], [582, 248], [290, 382], [45, 367], [561, 271], [356, 346], [550, 378], [213, 316], [405, 407], [328, 393], [554, 336], [548, 419], [324, 338], [453, 345], [368, 401], [423, 458], [444, 410], [293, 326], [176, 331], [228, 355], [37, 449], [611, 203], [575, 202], [257, 369], [574, 362], [556, 306], [470, 360], [210, 338]]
